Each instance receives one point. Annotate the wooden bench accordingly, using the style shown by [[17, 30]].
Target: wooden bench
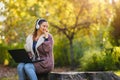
[[97, 75], [44, 76]]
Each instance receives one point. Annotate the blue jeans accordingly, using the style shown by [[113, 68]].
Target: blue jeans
[[26, 69]]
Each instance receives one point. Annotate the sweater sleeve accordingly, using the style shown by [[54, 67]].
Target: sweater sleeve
[[48, 44]]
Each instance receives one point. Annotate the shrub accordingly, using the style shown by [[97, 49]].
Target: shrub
[[108, 59]]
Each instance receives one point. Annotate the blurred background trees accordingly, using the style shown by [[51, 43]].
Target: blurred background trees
[[86, 32]]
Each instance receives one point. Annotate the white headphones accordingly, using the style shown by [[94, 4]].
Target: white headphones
[[37, 25]]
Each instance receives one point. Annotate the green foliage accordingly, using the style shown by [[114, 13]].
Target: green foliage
[[108, 59], [12, 63], [96, 53], [6, 56], [91, 62], [61, 52], [115, 33], [3, 53], [116, 56], [78, 50]]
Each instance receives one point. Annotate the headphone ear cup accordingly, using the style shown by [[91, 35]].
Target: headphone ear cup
[[37, 26]]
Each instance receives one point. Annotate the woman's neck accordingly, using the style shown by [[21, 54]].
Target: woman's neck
[[37, 36], [39, 33]]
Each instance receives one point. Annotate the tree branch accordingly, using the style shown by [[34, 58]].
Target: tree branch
[[63, 30]]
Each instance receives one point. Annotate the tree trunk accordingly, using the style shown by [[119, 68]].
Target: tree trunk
[[71, 55]]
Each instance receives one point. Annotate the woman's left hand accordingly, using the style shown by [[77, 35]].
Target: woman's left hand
[[46, 33]]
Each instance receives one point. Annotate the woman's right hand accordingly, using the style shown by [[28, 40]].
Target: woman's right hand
[[30, 55], [46, 33]]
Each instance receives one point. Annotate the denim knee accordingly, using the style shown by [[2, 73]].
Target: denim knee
[[20, 66], [29, 66]]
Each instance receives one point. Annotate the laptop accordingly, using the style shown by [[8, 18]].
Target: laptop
[[20, 55]]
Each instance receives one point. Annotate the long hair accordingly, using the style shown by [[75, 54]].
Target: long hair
[[38, 22]]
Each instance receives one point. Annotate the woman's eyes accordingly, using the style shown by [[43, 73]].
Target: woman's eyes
[[45, 26]]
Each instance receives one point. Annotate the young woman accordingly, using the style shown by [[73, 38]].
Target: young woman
[[39, 45]]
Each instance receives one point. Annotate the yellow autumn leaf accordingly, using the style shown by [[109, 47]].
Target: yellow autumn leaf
[[6, 62]]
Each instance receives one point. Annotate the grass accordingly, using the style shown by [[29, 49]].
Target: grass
[[117, 73], [10, 78]]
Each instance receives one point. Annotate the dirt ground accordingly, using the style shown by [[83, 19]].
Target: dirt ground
[[7, 72]]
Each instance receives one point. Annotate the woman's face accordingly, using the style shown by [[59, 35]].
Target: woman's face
[[44, 27]]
